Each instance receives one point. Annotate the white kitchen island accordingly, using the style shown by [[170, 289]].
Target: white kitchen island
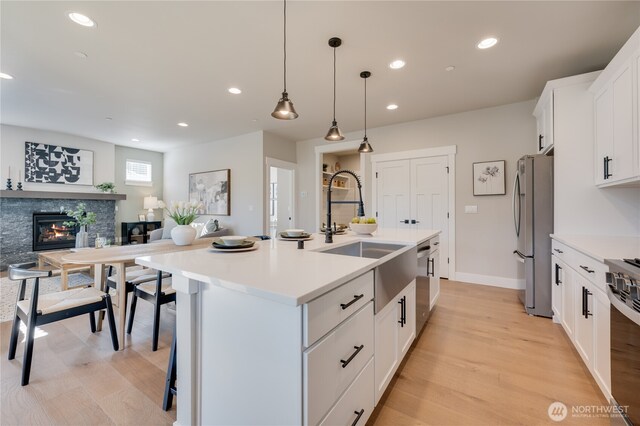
[[277, 335]]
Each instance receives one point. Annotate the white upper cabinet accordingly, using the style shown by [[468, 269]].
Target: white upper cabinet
[[617, 118], [544, 121]]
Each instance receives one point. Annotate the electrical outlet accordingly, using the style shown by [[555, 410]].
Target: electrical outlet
[[471, 209]]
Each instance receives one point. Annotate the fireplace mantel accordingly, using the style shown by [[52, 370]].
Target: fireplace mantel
[[50, 195]]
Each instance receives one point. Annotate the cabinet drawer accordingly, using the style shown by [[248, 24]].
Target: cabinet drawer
[[332, 365], [324, 313], [584, 265], [356, 403], [592, 270], [561, 251]]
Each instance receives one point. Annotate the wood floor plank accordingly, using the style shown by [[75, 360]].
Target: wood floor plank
[[481, 360]]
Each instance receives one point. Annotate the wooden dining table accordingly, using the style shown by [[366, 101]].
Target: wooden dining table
[[119, 257]]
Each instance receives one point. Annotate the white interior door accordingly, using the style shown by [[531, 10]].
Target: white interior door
[[430, 200], [393, 193], [284, 199]]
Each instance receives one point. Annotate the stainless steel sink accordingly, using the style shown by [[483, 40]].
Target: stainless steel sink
[[365, 249], [391, 276]]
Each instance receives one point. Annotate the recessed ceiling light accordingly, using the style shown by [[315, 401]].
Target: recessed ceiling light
[[6, 76], [397, 64], [234, 90], [108, 118], [81, 19], [392, 106], [135, 140], [81, 55], [487, 43], [183, 124], [450, 68]]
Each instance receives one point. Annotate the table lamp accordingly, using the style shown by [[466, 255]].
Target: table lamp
[[150, 203]]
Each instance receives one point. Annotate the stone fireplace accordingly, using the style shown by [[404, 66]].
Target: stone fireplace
[[50, 232], [19, 241]]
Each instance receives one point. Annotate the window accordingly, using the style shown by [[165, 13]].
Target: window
[[138, 173]]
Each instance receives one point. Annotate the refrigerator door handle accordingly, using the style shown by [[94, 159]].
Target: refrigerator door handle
[[516, 197], [520, 257]]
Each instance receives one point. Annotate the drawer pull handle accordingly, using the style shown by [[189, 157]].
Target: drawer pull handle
[[558, 250], [586, 268], [355, 299], [359, 413], [353, 355]]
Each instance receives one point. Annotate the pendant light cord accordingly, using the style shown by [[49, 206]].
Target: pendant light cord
[[365, 108], [334, 84], [285, 46]]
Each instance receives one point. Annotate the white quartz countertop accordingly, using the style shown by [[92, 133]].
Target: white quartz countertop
[[277, 270], [602, 247]]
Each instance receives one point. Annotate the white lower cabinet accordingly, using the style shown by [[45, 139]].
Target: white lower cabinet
[[557, 278], [332, 364], [568, 306], [356, 405], [584, 319], [584, 309], [602, 332], [434, 282], [395, 330]]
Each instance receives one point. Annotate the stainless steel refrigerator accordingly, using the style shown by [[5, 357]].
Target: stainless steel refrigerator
[[533, 221]]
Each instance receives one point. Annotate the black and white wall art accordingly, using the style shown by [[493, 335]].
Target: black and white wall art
[[489, 178], [212, 189], [57, 164]]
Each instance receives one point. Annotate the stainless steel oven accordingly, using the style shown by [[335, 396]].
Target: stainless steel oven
[[623, 282]]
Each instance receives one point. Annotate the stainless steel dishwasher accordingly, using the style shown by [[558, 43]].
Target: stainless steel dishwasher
[[427, 258]]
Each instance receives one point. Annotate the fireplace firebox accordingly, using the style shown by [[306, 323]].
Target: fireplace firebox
[[50, 233]]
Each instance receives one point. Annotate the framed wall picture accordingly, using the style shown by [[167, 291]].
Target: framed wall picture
[[212, 189], [489, 178], [57, 164]]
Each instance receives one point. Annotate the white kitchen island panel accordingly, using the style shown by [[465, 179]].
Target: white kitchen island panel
[[240, 327]]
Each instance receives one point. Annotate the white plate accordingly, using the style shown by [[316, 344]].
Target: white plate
[[231, 250]]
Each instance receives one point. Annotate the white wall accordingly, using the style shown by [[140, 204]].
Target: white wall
[[129, 209], [244, 156], [278, 147], [12, 139], [484, 241]]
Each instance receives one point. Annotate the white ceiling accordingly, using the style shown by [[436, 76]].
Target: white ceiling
[[153, 64]]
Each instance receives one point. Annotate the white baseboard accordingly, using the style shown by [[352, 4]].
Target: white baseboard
[[513, 283]]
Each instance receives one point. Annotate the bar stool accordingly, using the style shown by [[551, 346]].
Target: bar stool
[[159, 293], [170, 388], [48, 308]]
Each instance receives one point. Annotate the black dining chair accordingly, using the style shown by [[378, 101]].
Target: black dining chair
[[158, 293], [47, 308]]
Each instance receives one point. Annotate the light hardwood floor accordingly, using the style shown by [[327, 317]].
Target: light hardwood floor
[[479, 361]]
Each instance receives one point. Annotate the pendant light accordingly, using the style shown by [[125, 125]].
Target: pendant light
[[334, 133], [364, 146], [284, 108]]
